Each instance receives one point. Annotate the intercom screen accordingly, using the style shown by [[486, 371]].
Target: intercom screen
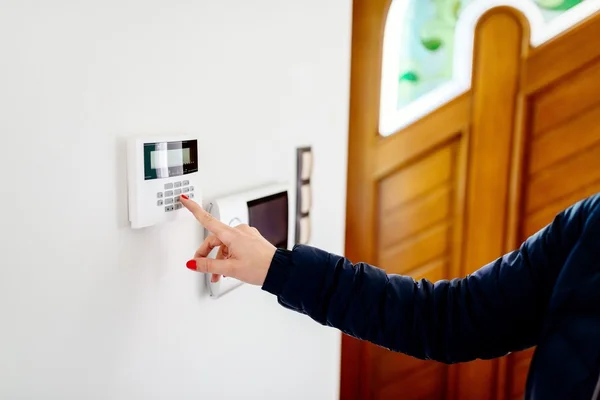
[[270, 216]]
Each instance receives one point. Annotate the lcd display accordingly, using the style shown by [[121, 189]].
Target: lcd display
[[270, 216], [167, 159]]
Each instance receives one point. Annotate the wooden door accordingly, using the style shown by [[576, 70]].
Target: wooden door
[[561, 158], [466, 183]]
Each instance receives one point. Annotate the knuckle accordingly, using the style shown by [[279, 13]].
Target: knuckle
[[228, 236], [229, 269], [207, 216], [204, 265]]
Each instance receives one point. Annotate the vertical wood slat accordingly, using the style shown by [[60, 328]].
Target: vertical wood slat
[[500, 45], [368, 17]]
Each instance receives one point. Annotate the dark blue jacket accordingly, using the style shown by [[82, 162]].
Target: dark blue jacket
[[546, 294]]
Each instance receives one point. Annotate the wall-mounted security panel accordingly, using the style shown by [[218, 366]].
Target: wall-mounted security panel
[[266, 208], [159, 171]]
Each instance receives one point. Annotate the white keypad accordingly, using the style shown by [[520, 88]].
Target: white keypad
[[170, 197]]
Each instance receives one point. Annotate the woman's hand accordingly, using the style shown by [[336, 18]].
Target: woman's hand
[[243, 253]]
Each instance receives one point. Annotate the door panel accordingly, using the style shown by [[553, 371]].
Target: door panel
[[423, 385], [563, 166], [419, 178], [552, 148], [571, 96], [415, 218]]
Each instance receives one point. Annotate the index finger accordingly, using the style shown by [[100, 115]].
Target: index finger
[[206, 219]]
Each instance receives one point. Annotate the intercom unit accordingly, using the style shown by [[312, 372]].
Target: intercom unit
[[266, 208]]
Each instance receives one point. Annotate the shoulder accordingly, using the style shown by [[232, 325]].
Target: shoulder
[[583, 210], [593, 203]]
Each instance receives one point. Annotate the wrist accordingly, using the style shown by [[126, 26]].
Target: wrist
[[278, 271]]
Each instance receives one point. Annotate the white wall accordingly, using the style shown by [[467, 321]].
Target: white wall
[[90, 309]]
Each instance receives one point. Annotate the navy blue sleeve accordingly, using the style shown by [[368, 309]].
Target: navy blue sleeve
[[496, 310]]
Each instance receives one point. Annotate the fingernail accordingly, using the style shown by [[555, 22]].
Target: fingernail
[[191, 265], [185, 197]]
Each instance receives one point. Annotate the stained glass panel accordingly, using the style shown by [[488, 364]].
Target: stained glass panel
[[427, 44]]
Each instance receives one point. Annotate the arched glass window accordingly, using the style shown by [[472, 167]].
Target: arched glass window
[[428, 49]]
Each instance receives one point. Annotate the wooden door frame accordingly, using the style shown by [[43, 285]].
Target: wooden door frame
[[368, 24]]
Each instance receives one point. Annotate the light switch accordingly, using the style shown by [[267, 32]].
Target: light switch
[[305, 230], [305, 198], [307, 161]]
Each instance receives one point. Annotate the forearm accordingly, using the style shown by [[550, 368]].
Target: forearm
[[498, 309], [449, 321]]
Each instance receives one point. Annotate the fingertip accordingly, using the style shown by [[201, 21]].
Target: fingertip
[[191, 264]]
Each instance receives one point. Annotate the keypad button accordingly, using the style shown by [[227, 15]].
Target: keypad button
[[168, 193], [178, 206], [185, 183], [159, 195], [191, 196], [169, 208], [159, 203], [169, 201], [177, 184], [191, 188], [186, 189], [177, 192], [177, 199], [168, 186]]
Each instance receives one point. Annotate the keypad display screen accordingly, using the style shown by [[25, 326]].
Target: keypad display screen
[[168, 159], [270, 216]]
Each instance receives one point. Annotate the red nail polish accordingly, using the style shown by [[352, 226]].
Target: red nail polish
[[185, 197], [191, 265]]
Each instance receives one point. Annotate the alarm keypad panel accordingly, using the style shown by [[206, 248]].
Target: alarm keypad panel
[[168, 195], [160, 170]]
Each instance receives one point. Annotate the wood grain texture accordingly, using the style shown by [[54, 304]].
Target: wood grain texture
[[576, 94], [414, 217], [416, 180], [552, 148], [563, 55], [497, 68], [367, 22], [434, 130], [557, 181]]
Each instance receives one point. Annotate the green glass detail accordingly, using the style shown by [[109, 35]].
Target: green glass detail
[[409, 76], [432, 44], [456, 8], [558, 5], [426, 56]]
